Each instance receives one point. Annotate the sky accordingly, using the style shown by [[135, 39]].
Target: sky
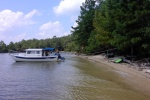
[[38, 19]]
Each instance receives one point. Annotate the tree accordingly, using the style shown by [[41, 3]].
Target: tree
[[11, 46], [84, 28], [131, 24], [3, 47], [101, 35]]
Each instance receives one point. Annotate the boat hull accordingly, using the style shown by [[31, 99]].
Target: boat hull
[[34, 59]]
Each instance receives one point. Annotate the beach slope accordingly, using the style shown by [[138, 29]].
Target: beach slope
[[138, 80]]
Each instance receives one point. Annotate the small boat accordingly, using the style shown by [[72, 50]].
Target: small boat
[[45, 54]]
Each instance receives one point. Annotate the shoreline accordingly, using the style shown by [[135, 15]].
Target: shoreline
[[138, 80]]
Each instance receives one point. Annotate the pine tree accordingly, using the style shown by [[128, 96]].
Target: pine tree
[[130, 21], [85, 23], [101, 32]]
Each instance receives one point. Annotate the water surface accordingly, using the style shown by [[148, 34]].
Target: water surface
[[74, 79]]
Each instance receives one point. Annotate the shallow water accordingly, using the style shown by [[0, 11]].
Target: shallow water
[[74, 79]]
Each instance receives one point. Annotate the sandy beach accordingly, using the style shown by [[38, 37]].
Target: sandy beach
[[139, 80]]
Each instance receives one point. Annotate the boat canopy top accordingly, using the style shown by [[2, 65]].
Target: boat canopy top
[[49, 49]]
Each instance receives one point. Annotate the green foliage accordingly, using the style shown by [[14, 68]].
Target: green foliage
[[100, 36], [124, 24], [61, 43], [3, 47], [131, 19], [83, 30]]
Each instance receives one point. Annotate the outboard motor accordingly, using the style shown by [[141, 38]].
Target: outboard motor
[[61, 58]]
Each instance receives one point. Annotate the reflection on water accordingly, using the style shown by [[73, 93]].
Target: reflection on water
[[74, 79]]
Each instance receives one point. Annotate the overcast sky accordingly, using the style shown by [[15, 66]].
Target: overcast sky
[[40, 19]]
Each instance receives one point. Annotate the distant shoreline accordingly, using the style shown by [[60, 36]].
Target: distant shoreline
[[139, 80]]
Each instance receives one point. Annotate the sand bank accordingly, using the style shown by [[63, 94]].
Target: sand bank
[[139, 80]]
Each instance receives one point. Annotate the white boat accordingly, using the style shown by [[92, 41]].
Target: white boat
[[46, 54]]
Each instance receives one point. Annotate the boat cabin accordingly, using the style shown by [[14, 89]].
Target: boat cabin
[[39, 52]]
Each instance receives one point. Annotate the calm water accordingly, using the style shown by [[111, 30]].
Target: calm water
[[74, 79]]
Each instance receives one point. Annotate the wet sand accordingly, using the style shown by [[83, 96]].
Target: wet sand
[[138, 80]]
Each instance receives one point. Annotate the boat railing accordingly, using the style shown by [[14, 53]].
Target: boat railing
[[17, 53]]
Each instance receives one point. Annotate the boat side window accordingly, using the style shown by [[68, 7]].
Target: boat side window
[[28, 52], [32, 52], [37, 52]]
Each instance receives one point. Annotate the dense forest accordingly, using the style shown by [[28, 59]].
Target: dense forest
[[61, 43], [102, 25], [107, 24]]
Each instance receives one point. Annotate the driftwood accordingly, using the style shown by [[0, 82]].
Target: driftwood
[[143, 63]]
